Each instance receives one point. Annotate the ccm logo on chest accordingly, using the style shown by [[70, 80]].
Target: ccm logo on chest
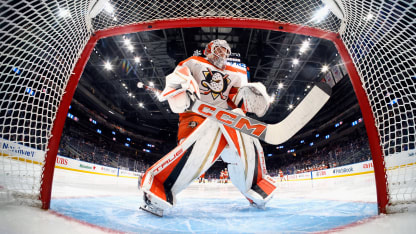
[[232, 120]]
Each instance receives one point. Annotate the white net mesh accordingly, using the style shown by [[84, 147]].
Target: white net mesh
[[41, 41], [381, 38], [40, 44], [295, 12]]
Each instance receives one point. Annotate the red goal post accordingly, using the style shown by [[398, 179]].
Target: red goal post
[[50, 43]]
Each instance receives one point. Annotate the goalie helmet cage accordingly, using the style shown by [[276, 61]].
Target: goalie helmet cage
[[46, 44]]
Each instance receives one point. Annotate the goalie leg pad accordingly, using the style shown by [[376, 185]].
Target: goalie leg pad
[[175, 171], [205, 152], [246, 167]]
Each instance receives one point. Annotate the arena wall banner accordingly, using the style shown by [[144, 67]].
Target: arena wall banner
[[19, 152], [400, 160]]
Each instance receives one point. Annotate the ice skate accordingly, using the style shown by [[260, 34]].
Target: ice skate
[[149, 207], [258, 206]]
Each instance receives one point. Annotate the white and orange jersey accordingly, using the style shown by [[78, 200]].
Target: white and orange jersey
[[281, 173], [215, 85], [225, 174]]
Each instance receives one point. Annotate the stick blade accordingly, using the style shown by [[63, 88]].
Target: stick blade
[[313, 102]]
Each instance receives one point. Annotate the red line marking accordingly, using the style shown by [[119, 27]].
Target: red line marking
[[109, 230], [355, 224]]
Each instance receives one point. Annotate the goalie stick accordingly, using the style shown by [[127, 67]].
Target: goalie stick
[[274, 134]]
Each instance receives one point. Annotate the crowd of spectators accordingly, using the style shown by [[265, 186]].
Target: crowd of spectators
[[98, 150], [81, 142], [88, 147], [347, 151]]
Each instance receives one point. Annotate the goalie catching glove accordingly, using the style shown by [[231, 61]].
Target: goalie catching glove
[[254, 98], [178, 83]]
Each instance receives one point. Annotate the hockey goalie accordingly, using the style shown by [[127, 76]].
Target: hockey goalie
[[202, 141]]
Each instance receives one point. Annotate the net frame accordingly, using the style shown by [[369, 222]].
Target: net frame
[[150, 15], [222, 22]]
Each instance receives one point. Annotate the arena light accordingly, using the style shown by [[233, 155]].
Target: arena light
[[272, 98], [109, 8], [324, 68], [64, 13], [304, 47], [369, 17], [108, 66], [151, 84], [137, 59], [141, 104], [321, 14], [295, 61], [280, 86], [290, 106], [127, 41]]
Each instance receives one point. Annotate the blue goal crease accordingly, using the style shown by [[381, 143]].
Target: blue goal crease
[[216, 215]]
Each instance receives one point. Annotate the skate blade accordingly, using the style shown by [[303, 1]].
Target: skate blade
[[152, 211], [263, 207]]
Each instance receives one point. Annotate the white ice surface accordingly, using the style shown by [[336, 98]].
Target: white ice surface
[[67, 184]]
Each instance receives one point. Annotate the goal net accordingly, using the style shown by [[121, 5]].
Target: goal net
[[46, 44]]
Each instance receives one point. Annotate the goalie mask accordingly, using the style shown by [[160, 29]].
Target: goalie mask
[[217, 52]]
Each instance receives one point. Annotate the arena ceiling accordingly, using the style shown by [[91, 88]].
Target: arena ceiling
[[149, 56]]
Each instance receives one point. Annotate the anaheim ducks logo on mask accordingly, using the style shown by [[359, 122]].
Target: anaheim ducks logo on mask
[[215, 83]]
